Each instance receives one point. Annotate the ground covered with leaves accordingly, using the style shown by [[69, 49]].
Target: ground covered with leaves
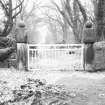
[[36, 92], [70, 88]]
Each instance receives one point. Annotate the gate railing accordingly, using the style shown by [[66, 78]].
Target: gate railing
[[55, 56]]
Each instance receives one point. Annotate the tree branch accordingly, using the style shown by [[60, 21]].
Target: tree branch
[[20, 3], [4, 7], [83, 11]]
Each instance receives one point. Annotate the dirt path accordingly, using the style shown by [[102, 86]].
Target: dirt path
[[87, 88]]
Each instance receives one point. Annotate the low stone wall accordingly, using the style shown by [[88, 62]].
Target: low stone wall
[[99, 60], [4, 64]]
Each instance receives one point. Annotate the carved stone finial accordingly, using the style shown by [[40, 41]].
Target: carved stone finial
[[89, 25], [21, 24]]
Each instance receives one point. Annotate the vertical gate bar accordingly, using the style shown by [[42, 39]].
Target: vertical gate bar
[[28, 63], [32, 57], [82, 59]]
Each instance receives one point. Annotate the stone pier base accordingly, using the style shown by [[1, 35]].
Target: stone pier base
[[21, 56]]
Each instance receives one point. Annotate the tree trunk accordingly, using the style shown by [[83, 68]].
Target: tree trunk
[[100, 17]]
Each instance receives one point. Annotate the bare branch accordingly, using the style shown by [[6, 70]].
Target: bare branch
[[16, 14], [55, 19], [63, 13], [69, 10], [4, 7], [19, 5], [83, 11]]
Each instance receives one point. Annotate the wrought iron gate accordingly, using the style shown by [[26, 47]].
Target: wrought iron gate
[[55, 56]]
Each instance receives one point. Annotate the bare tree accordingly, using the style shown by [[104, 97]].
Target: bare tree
[[11, 11], [75, 16]]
